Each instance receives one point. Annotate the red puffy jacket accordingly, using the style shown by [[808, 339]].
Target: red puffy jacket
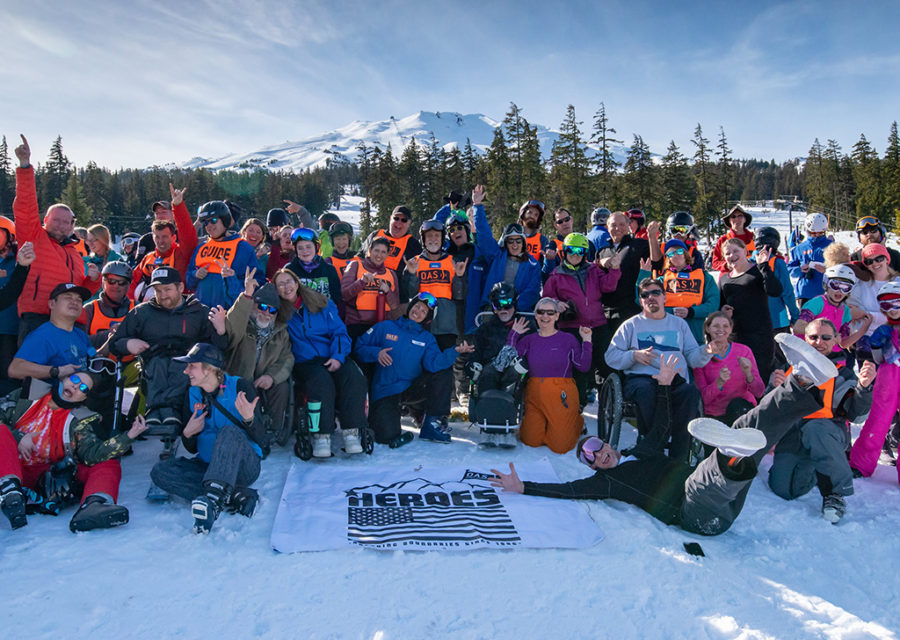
[[55, 263]]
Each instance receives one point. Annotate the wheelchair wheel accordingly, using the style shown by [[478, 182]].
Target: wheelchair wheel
[[609, 410]]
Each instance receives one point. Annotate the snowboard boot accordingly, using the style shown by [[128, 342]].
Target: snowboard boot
[[243, 501], [833, 508], [352, 445], [98, 512], [322, 445], [12, 502], [404, 438], [805, 361], [207, 507], [734, 443], [434, 429]]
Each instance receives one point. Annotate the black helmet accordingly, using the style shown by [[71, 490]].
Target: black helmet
[[327, 219], [500, 293], [767, 237], [215, 209], [600, 215], [680, 219], [339, 228], [432, 225], [637, 215]]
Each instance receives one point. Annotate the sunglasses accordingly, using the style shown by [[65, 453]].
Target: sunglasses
[[870, 261], [428, 299], [116, 281], [675, 252], [841, 286], [303, 234], [212, 220], [503, 303], [399, 219], [546, 312], [589, 450], [577, 251], [267, 308], [81, 386], [650, 294], [889, 305], [823, 337], [564, 220], [680, 229], [453, 228]]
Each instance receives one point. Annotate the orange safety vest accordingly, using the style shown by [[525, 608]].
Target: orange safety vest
[[100, 322], [436, 276], [81, 248], [151, 262], [557, 244], [533, 246], [340, 263], [685, 288], [398, 248], [828, 388], [367, 299], [213, 250]]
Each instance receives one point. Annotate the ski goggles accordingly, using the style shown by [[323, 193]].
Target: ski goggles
[[841, 286], [889, 305], [432, 225], [535, 203], [81, 386], [503, 303], [589, 450], [575, 251], [870, 261], [303, 233], [675, 252], [267, 308], [210, 220], [868, 223], [428, 299], [102, 365], [127, 242], [682, 229]]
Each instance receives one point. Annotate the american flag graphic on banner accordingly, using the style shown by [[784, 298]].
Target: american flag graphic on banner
[[421, 514]]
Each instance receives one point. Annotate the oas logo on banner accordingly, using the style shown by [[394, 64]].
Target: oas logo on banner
[[421, 514]]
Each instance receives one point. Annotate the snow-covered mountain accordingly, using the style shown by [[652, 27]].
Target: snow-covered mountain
[[450, 129]]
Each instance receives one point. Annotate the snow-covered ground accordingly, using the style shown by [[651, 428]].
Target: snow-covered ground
[[780, 572]]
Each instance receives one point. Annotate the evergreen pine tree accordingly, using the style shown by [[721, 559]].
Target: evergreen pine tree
[[570, 170], [434, 161], [704, 205], [677, 192], [604, 161], [94, 190], [725, 171], [7, 181], [867, 178], [365, 177], [73, 196], [473, 169], [453, 173], [412, 176], [499, 193], [639, 177], [891, 180], [55, 174]]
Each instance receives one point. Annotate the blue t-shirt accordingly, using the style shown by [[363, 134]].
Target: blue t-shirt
[[54, 347]]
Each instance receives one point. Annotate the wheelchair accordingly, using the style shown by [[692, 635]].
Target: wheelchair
[[298, 415], [612, 409]]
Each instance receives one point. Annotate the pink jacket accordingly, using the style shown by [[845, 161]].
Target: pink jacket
[[715, 402]]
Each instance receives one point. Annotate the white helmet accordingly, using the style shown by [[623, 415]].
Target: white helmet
[[889, 287], [840, 272], [817, 223]]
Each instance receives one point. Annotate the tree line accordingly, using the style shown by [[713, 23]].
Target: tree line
[[581, 173]]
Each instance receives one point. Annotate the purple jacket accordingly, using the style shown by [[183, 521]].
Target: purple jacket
[[564, 285]]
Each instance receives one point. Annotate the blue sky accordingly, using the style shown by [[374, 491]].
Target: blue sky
[[141, 83]]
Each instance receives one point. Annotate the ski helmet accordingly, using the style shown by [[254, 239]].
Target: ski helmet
[[429, 300], [117, 268], [502, 294], [840, 272], [512, 230], [600, 215], [816, 223], [680, 222], [638, 216], [867, 222], [576, 241], [304, 234], [537, 204], [432, 225], [767, 237], [276, 218], [460, 218], [9, 226], [327, 219], [215, 209], [340, 228], [889, 290]]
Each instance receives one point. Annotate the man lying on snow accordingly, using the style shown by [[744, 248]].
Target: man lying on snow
[[51, 447], [705, 500]]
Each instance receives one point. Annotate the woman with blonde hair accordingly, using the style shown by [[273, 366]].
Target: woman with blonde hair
[[98, 240]]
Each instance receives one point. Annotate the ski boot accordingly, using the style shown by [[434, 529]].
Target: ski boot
[[207, 507], [12, 501], [434, 429], [352, 445], [98, 512], [243, 501]]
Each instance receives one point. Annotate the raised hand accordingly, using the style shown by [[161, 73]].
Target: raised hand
[[412, 265], [217, 318], [646, 264], [93, 271], [25, 256], [250, 283], [667, 368], [585, 333], [867, 374], [460, 268], [520, 325], [244, 406], [478, 194], [177, 195], [763, 255], [653, 230], [615, 261], [292, 207], [225, 269], [23, 153], [138, 427]]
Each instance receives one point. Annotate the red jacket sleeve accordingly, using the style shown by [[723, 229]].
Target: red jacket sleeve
[[718, 260], [187, 234], [25, 209]]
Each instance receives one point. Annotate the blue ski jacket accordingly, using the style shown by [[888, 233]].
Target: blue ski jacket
[[318, 336]]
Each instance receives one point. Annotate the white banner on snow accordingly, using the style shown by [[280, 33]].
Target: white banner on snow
[[447, 508]]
